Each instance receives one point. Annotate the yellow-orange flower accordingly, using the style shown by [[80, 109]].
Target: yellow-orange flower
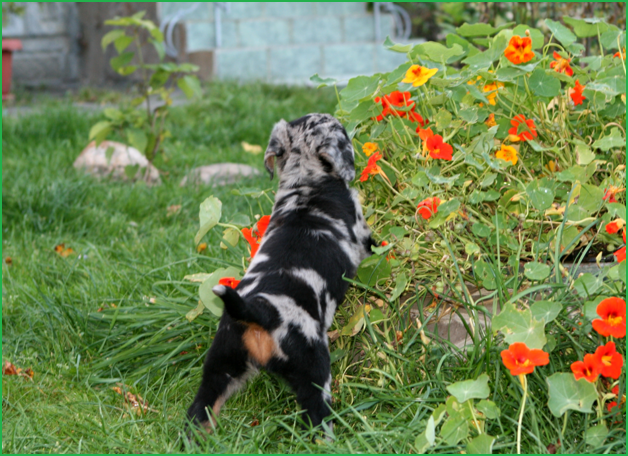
[[492, 89], [620, 54], [490, 122], [368, 148], [519, 50], [576, 93], [507, 153], [418, 75]]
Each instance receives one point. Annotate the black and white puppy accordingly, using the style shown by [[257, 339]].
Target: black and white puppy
[[278, 315]]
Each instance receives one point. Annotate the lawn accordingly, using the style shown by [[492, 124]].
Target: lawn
[[112, 314]]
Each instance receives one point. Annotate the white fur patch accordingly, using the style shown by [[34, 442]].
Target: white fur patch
[[290, 312]]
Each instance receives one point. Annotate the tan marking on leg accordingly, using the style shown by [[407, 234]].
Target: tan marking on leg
[[259, 343]]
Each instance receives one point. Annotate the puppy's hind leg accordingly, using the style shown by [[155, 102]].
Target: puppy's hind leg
[[226, 369]]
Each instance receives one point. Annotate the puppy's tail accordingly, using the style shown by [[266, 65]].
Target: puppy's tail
[[239, 310]]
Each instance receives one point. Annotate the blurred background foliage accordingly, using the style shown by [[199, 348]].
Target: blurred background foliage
[[433, 21]]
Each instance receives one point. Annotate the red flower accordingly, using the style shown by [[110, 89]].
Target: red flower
[[611, 192], [610, 360], [428, 207], [620, 54], [399, 99], [620, 255], [613, 313], [519, 50], [614, 226], [561, 65], [390, 254], [528, 129], [576, 94], [254, 235], [522, 360], [230, 282], [372, 168], [588, 369], [610, 406], [439, 149]]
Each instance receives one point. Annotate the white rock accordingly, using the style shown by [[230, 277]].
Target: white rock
[[220, 174], [94, 160]]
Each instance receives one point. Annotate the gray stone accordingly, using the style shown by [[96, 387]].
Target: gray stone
[[359, 28], [340, 8], [241, 64], [244, 10], [289, 9], [349, 59], [200, 36], [220, 174], [94, 160]]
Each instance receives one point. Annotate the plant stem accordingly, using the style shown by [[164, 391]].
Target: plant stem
[[524, 383]]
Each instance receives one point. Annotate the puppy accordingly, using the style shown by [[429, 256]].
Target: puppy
[[278, 315]]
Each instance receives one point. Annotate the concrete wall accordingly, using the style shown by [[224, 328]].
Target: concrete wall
[[49, 34], [288, 42]]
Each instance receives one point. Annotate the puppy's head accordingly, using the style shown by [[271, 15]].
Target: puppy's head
[[312, 146]]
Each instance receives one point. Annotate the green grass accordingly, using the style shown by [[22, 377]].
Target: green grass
[[131, 255]]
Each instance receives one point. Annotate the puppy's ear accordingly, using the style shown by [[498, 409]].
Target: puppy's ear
[[339, 154], [278, 145]]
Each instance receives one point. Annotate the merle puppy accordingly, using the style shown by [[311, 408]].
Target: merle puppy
[[278, 315]]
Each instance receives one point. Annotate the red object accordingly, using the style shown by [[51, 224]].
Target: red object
[[589, 369], [8, 46], [613, 313], [521, 360]]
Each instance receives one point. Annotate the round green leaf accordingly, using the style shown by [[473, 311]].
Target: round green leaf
[[567, 393], [545, 310], [470, 389], [544, 84], [520, 326], [541, 196], [536, 271], [209, 215], [212, 302], [482, 444]]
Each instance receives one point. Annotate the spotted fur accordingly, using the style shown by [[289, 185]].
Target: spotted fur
[[278, 316]]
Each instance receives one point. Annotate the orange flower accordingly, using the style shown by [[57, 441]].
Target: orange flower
[[428, 207], [507, 153], [372, 168], [620, 255], [620, 54], [519, 50], [490, 122], [610, 360], [418, 75], [524, 129], [576, 94], [368, 148], [438, 149], [614, 226], [521, 360], [611, 192], [588, 369], [230, 282], [390, 254], [254, 235], [613, 313], [424, 134], [561, 64], [63, 251]]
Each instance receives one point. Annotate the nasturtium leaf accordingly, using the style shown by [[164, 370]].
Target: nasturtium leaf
[[470, 389], [587, 284], [591, 197], [488, 180], [584, 155], [471, 248], [545, 310], [520, 326], [430, 430], [567, 393], [489, 409], [541, 194], [138, 139], [544, 83], [587, 27], [355, 323], [448, 207], [400, 285], [536, 271], [560, 32], [595, 435], [240, 220], [322, 82], [229, 236], [198, 310], [360, 87], [472, 30], [482, 444], [437, 52], [373, 269], [209, 215], [454, 430], [485, 273], [212, 302], [443, 119], [421, 444], [395, 47], [612, 141], [469, 115], [480, 230], [198, 277]]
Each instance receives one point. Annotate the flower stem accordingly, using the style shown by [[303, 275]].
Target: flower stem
[[524, 384]]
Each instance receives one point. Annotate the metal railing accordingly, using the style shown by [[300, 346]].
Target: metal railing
[[403, 23]]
